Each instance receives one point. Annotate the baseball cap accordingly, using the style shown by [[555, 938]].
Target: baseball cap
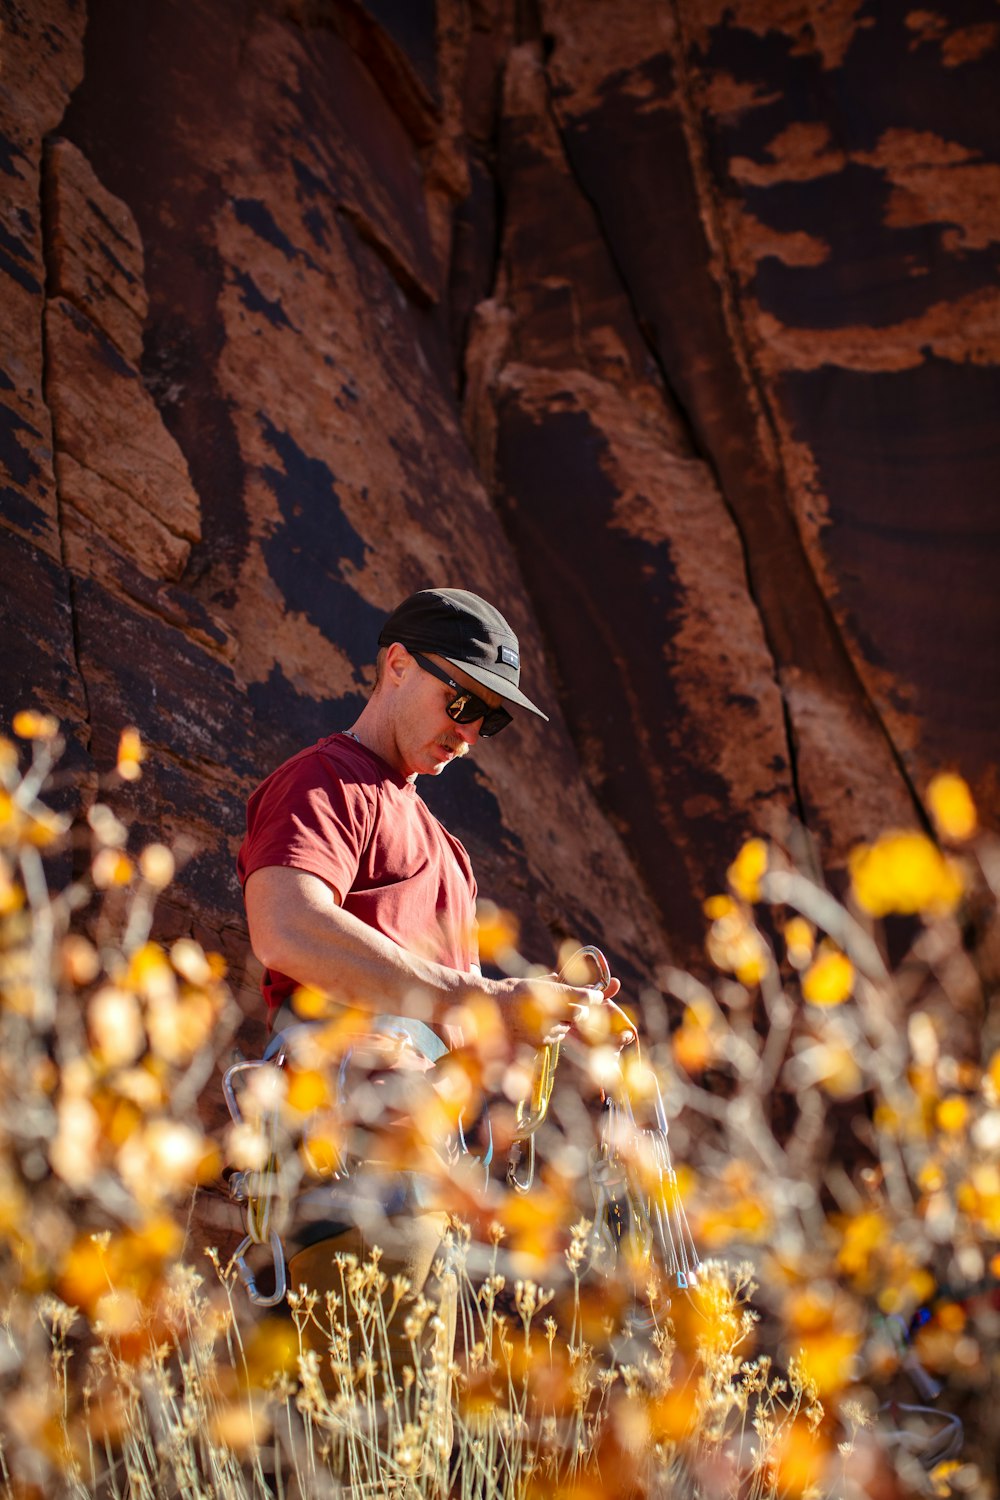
[[467, 632]]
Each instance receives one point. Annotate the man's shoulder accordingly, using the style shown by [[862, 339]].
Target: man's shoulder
[[328, 760], [332, 755]]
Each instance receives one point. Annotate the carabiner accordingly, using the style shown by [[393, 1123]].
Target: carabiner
[[249, 1279]]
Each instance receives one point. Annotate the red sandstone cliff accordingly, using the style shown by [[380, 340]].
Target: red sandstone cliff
[[672, 327]]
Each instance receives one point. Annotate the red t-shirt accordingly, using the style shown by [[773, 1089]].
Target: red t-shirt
[[339, 811]]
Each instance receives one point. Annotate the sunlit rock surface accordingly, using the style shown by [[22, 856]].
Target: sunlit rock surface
[[674, 330]]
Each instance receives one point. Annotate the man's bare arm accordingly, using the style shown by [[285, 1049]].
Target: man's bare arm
[[298, 928]]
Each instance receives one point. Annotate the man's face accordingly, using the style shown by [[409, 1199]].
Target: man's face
[[426, 739]]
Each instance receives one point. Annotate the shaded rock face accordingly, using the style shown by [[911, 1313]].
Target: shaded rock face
[[677, 337]]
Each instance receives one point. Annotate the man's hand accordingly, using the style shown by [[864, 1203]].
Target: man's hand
[[545, 1009]]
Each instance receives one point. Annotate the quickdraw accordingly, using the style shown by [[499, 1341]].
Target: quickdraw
[[636, 1194], [257, 1191]]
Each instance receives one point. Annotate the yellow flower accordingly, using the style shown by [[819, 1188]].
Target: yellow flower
[[736, 946], [29, 725], [952, 1114], [156, 865], [748, 869], [111, 867], [239, 1425], [693, 1046], [800, 940], [150, 975], [952, 807], [307, 1090], [930, 1178], [498, 934], [942, 1474], [822, 1326], [801, 1454], [719, 906], [8, 758], [11, 895], [116, 1025], [190, 962], [905, 873], [830, 980], [862, 1235], [993, 1073], [42, 827], [79, 960], [130, 754]]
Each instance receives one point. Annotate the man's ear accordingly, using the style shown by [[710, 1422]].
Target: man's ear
[[397, 663]]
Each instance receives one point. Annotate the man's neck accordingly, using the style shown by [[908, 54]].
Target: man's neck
[[370, 732]]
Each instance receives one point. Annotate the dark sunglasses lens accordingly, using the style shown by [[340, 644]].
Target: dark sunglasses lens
[[495, 720], [468, 709]]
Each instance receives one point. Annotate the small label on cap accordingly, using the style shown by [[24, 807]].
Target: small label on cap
[[509, 657]]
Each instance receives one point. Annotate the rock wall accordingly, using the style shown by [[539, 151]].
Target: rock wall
[[672, 327]]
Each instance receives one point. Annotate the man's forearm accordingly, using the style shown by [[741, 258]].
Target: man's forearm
[[297, 928]]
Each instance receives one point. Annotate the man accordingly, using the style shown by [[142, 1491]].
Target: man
[[354, 888]]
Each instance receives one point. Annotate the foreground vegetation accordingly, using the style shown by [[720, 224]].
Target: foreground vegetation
[[834, 1118]]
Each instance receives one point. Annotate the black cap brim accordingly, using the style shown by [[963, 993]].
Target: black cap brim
[[497, 684]]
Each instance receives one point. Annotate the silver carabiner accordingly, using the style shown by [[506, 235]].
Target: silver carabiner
[[249, 1279], [602, 965]]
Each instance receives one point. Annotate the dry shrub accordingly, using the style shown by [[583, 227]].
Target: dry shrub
[[835, 1119]]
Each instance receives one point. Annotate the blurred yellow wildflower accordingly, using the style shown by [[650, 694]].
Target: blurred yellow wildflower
[[8, 758], [829, 980], [801, 1456], [322, 1147], [74, 1149], [942, 1474], [149, 973], [821, 1324], [189, 961], [993, 1074], [671, 1417], [748, 869], [116, 1025], [79, 960], [308, 1090], [693, 1044], [735, 945], [498, 933], [240, 1426], [131, 754], [271, 1346], [310, 1004], [952, 1114], [800, 940], [30, 725], [906, 873], [156, 866], [111, 868], [951, 806], [165, 1158], [862, 1234], [11, 895]]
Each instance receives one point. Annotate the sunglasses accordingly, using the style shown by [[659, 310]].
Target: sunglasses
[[466, 707]]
